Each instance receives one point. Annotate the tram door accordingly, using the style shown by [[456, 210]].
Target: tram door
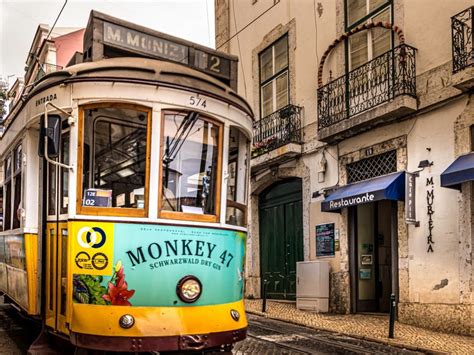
[[56, 184]]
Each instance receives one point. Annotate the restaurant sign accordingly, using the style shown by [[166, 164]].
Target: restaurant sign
[[410, 211]]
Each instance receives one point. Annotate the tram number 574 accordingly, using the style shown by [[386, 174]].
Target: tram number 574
[[196, 101]]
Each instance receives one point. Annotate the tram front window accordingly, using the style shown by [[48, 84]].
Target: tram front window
[[190, 158], [114, 157]]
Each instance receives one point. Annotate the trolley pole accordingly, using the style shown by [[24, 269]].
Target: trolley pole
[[393, 306]]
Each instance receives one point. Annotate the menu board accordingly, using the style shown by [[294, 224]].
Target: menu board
[[325, 239]]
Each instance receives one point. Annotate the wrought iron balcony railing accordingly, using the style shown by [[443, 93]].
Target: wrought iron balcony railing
[[382, 79], [461, 32], [277, 129]]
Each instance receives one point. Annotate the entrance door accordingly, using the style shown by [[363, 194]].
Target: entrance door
[[281, 238], [372, 239], [56, 233]]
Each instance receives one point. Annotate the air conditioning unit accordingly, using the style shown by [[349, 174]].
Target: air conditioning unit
[[312, 286]]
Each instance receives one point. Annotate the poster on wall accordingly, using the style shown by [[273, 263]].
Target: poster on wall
[[325, 239]]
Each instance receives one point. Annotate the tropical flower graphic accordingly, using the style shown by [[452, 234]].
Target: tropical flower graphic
[[118, 292]]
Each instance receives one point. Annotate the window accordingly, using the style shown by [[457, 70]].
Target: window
[[367, 45], [7, 188], [64, 173], [114, 160], [236, 212], [13, 189], [17, 198], [190, 172], [274, 82]]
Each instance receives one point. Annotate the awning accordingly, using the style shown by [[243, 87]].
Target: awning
[[461, 170], [387, 187]]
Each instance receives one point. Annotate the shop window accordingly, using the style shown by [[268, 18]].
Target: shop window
[[190, 166], [114, 161], [274, 77], [17, 183], [367, 45], [237, 170]]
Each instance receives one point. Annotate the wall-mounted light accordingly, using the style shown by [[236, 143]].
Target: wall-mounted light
[[425, 164]]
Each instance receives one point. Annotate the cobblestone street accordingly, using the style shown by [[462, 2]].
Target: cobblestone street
[[367, 327], [265, 336]]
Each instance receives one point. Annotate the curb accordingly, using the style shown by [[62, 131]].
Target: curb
[[391, 342]]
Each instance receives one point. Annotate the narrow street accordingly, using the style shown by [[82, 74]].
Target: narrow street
[[265, 336]]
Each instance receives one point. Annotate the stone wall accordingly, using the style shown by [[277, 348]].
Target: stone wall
[[443, 317]]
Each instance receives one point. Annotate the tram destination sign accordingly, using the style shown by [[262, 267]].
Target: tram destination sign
[[107, 37], [142, 42]]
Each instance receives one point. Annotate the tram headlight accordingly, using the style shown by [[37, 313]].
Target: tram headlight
[[189, 289]]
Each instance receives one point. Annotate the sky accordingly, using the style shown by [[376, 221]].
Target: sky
[[192, 20]]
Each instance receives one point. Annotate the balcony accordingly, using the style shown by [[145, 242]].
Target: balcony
[[379, 91], [277, 137], [463, 54]]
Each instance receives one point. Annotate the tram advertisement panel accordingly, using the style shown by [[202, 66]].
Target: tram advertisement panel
[[141, 265]]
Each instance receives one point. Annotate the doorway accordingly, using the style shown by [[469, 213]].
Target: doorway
[[374, 257], [56, 235], [281, 238]]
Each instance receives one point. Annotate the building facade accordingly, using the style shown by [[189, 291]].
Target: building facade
[[362, 150]]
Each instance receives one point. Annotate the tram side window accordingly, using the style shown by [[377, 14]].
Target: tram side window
[[7, 188], [236, 211], [17, 198], [190, 158], [64, 197], [114, 157]]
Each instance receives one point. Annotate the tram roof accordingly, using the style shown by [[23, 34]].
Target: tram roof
[[141, 71]]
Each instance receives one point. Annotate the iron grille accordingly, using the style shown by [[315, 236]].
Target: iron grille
[[461, 32], [382, 79], [369, 168], [277, 129]]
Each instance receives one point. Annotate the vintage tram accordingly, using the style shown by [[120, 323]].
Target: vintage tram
[[124, 195]]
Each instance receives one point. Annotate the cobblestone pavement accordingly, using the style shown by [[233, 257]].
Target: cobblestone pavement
[[267, 336], [368, 327]]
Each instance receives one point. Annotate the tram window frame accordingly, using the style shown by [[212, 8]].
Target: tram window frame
[[17, 191], [7, 194], [196, 217], [240, 153], [64, 172], [112, 211]]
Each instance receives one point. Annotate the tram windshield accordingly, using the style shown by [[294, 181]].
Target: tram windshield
[[114, 157], [190, 169]]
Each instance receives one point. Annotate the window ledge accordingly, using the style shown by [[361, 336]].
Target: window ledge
[[401, 106], [464, 79], [275, 156]]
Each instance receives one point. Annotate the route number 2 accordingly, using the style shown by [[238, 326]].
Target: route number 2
[[197, 102]]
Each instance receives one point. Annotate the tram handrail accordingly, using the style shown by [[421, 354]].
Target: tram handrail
[[70, 121]]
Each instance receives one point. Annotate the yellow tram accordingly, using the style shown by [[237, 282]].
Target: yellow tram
[[124, 195]]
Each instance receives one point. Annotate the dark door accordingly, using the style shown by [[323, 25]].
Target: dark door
[[281, 237]]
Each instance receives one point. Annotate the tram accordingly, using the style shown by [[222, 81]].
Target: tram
[[125, 179]]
